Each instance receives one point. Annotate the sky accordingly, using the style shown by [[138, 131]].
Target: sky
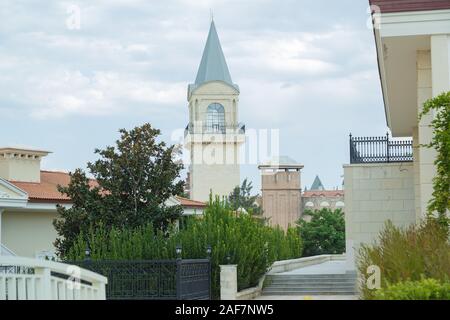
[[72, 73]]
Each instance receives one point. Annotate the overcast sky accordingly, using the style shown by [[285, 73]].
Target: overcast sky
[[307, 68]]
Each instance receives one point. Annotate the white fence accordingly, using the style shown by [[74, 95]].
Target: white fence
[[32, 279]]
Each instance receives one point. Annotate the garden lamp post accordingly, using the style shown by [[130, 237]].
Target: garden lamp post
[[178, 250], [208, 254], [87, 253]]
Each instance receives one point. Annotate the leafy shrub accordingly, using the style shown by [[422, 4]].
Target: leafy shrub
[[407, 254], [425, 289], [324, 233], [248, 243]]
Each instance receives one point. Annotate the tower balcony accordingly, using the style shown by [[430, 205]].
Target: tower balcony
[[214, 133]]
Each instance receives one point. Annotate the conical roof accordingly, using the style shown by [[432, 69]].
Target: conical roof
[[213, 65]]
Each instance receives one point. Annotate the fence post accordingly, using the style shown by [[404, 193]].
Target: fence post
[[101, 290], [387, 146], [228, 282], [351, 149], [178, 279], [46, 283]]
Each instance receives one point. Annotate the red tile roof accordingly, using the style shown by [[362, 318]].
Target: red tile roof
[[325, 193], [388, 6], [191, 203], [47, 191]]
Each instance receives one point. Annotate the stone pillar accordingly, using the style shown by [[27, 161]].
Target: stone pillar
[[350, 255], [1, 211], [425, 156], [228, 282]]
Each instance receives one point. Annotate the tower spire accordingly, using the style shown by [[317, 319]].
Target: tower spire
[[213, 65]]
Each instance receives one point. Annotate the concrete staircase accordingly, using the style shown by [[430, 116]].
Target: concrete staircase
[[283, 284]]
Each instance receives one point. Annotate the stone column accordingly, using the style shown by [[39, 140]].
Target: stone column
[[228, 282], [1, 211]]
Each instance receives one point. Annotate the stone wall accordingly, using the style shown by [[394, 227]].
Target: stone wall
[[375, 193]]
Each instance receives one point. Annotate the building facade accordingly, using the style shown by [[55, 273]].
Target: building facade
[[283, 202], [394, 180], [214, 135], [28, 199], [317, 197]]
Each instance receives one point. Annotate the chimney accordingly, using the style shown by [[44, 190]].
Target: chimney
[[22, 165]]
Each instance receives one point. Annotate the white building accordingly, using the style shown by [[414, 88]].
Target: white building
[[28, 199], [213, 135], [393, 179]]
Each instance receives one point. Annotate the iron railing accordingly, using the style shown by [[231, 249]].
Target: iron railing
[[380, 150], [154, 279], [214, 129]]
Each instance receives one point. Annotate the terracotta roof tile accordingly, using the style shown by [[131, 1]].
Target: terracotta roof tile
[[47, 191], [191, 203]]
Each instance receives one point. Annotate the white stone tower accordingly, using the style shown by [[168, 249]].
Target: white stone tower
[[213, 135]]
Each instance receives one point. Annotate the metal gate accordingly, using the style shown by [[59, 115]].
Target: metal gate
[[154, 279], [194, 279]]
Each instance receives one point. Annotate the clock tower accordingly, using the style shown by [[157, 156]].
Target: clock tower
[[213, 135]]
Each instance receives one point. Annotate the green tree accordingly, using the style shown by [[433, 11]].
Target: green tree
[[131, 184], [241, 197], [324, 233], [440, 107]]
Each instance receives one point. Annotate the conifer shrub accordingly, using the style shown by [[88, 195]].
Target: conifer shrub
[[235, 238]]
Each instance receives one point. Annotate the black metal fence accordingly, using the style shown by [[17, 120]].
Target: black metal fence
[[380, 150], [154, 279]]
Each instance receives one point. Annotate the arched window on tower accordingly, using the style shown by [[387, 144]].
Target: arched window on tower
[[215, 118]]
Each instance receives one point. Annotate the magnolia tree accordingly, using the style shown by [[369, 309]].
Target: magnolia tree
[[131, 183]]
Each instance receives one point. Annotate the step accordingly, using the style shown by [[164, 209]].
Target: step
[[312, 288], [309, 293], [307, 286], [309, 290], [322, 276], [309, 280], [312, 276]]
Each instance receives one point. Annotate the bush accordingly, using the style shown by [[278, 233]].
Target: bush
[[409, 254], [248, 243], [324, 234], [425, 289]]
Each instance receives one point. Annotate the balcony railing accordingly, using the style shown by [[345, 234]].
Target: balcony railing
[[380, 150], [214, 129]]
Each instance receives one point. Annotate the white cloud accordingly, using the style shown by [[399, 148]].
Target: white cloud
[[66, 93], [300, 68]]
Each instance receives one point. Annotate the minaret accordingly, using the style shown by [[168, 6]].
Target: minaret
[[213, 135]]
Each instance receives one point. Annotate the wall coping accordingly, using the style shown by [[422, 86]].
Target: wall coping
[[250, 293], [289, 265], [386, 164]]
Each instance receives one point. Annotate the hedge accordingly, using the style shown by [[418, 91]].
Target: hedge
[[235, 238]]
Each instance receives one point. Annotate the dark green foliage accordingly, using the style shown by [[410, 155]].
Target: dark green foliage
[[241, 197], [440, 107], [250, 245], [324, 233], [133, 181], [425, 289], [413, 253]]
